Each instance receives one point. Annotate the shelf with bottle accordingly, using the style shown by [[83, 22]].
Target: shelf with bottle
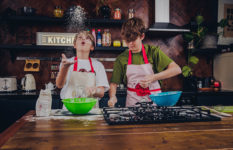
[[54, 67], [59, 21], [56, 48]]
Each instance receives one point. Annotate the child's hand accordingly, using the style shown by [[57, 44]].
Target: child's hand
[[147, 80], [90, 91], [112, 101], [65, 61]]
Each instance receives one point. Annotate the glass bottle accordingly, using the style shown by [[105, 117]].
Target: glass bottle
[[99, 38], [131, 13], [94, 35], [117, 13], [106, 38]]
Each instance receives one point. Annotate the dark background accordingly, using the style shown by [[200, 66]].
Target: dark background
[[181, 12]]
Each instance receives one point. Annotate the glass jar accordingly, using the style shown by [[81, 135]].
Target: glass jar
[[131, 13], [106, 38], [117, 13], [58, 12]]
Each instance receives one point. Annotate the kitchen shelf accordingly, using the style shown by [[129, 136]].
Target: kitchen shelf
[[60, 21], [58, 48], [206, 51]]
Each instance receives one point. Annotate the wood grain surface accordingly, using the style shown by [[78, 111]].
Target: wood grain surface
[[51, 134]]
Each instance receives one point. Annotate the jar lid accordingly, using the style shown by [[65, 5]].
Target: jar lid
[[131, 10]]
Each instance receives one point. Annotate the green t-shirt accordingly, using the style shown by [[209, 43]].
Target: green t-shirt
[[155, 56]]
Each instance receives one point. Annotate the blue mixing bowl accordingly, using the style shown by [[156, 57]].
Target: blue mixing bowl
[[166, 98]]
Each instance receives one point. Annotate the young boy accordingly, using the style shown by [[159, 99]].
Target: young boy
[[140, 67], [82, 76]]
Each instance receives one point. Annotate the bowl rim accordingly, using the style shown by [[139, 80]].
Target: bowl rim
[[170, 93], [92, 100]]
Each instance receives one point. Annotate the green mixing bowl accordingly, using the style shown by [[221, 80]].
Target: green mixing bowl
[[79, 105]]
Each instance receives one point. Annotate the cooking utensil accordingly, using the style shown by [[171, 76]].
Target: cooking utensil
[[79, 105], [216, 112], [225, 109], [166, 98]]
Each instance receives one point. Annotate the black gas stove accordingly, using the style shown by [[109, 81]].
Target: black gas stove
[[146, 112]]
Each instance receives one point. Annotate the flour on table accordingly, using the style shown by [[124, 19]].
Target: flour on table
[[59, 114]]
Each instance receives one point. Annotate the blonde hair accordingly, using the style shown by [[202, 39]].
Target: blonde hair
[[87, 34]]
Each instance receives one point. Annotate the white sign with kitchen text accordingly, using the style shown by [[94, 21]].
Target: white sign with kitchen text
[[55, 39]]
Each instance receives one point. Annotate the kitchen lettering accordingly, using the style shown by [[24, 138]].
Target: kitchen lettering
[[57, 40]]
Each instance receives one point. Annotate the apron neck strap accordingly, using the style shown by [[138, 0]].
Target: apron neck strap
[[76, 65], [143, 54], [92, 69]]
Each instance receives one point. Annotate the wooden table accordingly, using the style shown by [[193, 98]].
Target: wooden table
[[73, 134]]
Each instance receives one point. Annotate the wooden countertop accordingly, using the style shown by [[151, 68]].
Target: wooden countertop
[[37, 133]]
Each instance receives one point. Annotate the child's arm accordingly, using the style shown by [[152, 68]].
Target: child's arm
[[61, 77], [95, 91], [172, 70], [112, 95]]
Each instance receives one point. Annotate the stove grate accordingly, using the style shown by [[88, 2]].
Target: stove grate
[[146, 112]]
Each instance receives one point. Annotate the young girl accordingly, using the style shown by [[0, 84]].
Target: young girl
[[82, 76]]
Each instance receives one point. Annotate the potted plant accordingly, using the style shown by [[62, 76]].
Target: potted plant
[[199, 37], [210, 39], [190, 81], [200, 33], [193, 39]]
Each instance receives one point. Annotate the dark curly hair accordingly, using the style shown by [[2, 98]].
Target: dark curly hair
[[132, 28]]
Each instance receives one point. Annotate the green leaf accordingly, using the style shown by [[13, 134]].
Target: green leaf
[[186, 71], [199, 19], [193, 59], [199, 31], [223, 23], [188, 37]]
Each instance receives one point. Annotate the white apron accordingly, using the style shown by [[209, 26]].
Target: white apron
[[80, 80], [135, 73]]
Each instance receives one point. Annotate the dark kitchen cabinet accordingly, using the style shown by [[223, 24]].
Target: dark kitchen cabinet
[[223, 98], [13, 107]]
